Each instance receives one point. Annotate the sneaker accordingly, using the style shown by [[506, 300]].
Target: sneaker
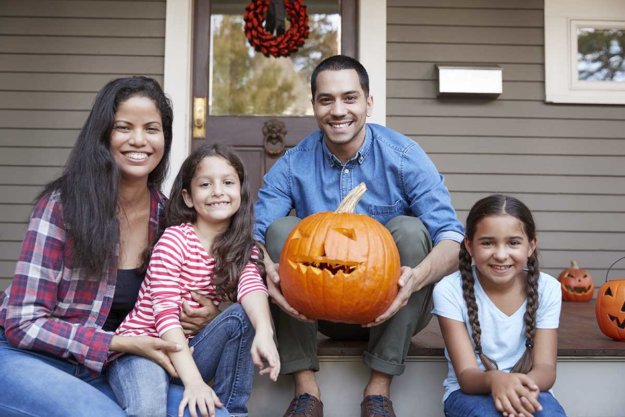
[[376, 406], [305, 405]]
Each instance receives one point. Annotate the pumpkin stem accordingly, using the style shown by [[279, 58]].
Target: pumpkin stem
[[349, 203], [574, 265]]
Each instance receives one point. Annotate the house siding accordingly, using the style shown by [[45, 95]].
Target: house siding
[[566, 162], [54, 57]]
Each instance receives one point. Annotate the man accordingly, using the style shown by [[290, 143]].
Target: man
[[405, 193]]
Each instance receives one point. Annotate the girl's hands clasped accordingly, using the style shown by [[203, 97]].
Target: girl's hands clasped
[[514, 394]]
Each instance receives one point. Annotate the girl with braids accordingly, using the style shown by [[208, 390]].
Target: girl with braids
[[207, 249], [499, 317]]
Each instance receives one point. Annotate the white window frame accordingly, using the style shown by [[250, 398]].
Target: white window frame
[[562, 18]]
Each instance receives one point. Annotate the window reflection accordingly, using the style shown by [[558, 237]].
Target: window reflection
[[245, 82], [601, 54]]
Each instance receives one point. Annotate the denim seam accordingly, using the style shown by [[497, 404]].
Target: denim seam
[[242, 340], [17, 411]]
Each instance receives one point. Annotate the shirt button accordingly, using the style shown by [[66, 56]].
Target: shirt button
[[346, 171]]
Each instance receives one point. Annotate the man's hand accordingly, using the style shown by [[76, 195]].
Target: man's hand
[[275, 292], [194, 319], [442, 260], [408, 281]]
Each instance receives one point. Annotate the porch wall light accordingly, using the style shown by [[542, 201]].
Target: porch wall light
[[485, 81]]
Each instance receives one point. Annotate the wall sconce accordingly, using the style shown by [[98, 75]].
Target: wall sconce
[[484, 81]]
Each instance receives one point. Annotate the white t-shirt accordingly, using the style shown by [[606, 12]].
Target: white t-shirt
[[503, 336]]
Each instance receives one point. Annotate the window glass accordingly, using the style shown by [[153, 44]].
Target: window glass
[[245, 82], [601, 54]]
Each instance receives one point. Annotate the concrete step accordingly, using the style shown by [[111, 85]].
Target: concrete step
[[585, 386]]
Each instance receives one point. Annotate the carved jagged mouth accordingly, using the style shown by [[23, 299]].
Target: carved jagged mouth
[[580, 290], [332, 267], [620, 324]]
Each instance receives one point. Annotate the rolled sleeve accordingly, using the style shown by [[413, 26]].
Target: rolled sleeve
[[429, 198]]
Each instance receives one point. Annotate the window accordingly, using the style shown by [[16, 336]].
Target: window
[[244, 82], [585, 51]]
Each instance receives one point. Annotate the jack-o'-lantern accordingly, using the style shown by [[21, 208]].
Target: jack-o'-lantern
[[610, 306], [340, 266], [576, 283], [610, 309]]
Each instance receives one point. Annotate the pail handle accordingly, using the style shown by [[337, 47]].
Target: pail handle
[[610, 267]]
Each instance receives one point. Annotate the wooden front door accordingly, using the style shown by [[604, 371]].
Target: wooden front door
[[240, 92]]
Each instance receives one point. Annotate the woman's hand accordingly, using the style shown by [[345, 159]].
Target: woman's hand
[[199, 396], [149, 347], [514, 394], [194, 319], [265, 355]]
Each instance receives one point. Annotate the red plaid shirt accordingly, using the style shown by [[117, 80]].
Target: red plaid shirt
[[52, 307]]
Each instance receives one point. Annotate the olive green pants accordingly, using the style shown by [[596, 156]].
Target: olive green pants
[[389, 342]]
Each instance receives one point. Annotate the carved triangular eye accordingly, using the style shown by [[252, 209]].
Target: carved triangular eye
[[348, 233], [608, 292], [297, 234]]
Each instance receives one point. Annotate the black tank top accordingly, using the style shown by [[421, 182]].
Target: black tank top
[[126, 292]]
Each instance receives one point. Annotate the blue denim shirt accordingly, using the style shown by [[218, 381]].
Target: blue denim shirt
[[401, 180]]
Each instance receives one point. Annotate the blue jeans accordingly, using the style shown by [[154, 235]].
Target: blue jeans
[[36, 384], [222, 355], [459, 404]]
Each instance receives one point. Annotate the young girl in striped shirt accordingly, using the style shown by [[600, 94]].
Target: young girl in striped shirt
[[208, 250]]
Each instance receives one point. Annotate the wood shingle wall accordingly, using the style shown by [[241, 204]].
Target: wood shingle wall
[[566, 162], [54, 56]]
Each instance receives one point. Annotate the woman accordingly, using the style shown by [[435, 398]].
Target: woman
[[83, 259]]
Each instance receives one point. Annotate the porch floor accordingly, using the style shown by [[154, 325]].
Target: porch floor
[[578, 335]]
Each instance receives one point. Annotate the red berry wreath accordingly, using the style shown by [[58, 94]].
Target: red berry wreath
[[283, 44]]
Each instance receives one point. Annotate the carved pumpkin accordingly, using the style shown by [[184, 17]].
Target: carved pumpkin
[[340, 266], [576, 283], [610, 309]]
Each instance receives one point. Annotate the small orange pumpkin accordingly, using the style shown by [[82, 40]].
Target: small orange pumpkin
[[576, 283], [610, 306], [340, 266]]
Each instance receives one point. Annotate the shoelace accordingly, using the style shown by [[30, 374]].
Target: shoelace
[[378, 405], [303, 404]]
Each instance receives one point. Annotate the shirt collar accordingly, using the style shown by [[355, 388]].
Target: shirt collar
[[360, 155]]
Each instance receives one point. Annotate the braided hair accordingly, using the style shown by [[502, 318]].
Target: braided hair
[[495, 205]]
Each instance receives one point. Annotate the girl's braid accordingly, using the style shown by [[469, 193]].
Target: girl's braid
[[524, 365], [468, 292]]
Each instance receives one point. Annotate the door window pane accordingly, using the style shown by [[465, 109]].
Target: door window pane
[[245, 82]]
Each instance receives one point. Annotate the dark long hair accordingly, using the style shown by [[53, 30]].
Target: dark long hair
[[90, 181], [497, 205], [337, 63], [232, 249]]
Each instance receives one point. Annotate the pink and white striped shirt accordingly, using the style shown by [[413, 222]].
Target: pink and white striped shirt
[[179, 265]]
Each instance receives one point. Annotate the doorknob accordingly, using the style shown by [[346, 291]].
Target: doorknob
[[274, 132], [199, 117]]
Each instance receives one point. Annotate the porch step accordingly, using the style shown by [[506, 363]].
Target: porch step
[[589, 381], [586, 387]]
